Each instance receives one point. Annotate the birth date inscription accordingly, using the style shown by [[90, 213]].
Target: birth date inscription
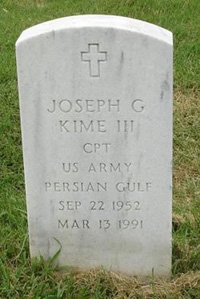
[[70, 205]]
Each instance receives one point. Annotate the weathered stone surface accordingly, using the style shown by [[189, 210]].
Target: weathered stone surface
[[96, 115]]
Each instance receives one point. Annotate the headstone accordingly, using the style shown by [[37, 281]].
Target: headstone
[[96, 116]]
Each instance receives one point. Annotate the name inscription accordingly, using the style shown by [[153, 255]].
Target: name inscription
[[90, 106], [81, 106]]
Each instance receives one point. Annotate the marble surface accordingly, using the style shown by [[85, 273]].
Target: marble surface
[[96, 117]]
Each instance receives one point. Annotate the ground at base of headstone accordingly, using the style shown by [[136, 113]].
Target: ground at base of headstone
[[99, 283]]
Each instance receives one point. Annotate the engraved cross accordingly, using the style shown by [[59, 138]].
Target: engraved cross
[[94, 57]]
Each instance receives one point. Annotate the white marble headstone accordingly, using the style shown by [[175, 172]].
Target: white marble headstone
[[96, 116]]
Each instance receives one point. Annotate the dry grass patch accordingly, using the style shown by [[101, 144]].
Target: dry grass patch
[[121, 286]]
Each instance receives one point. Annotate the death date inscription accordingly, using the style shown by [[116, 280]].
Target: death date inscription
[[104, 224]]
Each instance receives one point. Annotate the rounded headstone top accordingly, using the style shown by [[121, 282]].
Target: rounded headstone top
[[98, 21]]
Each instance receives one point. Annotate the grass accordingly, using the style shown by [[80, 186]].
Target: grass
[[21, 279]]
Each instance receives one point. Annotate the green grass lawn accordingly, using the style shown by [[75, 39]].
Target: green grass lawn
[[21, 279]]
